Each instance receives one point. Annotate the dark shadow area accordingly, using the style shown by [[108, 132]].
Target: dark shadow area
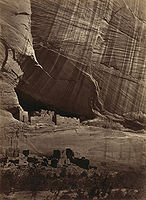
[[133, 125], [30, 104]]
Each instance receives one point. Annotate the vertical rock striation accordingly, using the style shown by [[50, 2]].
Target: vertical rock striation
[[92, 54], [77, 57], [81, 58]]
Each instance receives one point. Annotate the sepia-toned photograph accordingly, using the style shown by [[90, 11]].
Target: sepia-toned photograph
[[72, 99]]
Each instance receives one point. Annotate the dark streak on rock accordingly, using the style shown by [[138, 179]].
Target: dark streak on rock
[[22, 13], [6, 53]]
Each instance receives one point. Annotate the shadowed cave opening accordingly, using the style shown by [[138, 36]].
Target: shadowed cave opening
[[29, 104]]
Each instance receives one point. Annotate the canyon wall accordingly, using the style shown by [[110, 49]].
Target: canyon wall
[[75, 57], [97, 55], [78, 58]]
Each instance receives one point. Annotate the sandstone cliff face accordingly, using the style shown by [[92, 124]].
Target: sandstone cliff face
[[14, 34], [92, 54], [86, 56], [15, 44], [80, 58]]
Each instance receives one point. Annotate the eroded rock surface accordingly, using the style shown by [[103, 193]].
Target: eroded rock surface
[[77, 57], [92, 54], [83, 59]]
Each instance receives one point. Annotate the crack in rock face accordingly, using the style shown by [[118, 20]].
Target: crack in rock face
[[79, 58]]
